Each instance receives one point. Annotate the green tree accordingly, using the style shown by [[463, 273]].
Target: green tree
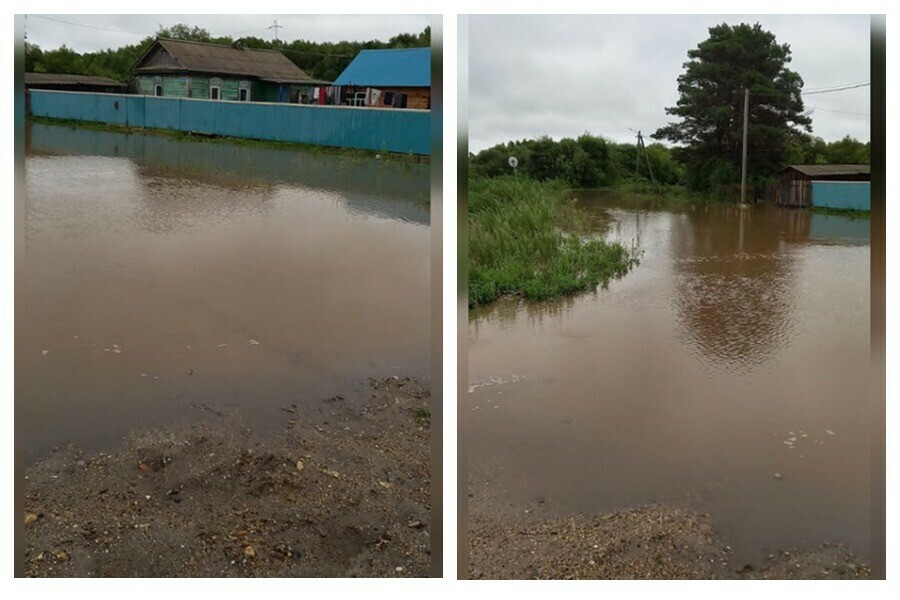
[[321, 60], [848, 151], [181, 31], [710, 106]]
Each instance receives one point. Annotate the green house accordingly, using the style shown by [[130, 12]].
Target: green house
[[184, 69]]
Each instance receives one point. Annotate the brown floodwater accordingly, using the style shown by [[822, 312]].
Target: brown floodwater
[[160, 274], [736, 350]]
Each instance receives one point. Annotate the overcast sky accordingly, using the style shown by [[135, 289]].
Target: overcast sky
[[112, 31], [561, 76]]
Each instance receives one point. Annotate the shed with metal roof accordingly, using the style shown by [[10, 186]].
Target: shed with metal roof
[[399, 78], [795, 186]]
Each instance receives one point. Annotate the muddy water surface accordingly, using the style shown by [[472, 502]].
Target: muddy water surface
[[160, 274], [737, 350]]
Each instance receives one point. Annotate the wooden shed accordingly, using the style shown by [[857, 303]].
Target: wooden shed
[[68, 82], [795, 182], [186, 69]]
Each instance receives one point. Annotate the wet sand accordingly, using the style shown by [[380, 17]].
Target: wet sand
[[655, 541], [340, 489]]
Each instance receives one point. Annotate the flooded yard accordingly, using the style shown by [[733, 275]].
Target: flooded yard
[[161, 274], [728, 372]]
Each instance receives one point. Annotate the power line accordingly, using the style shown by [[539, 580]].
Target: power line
[[846, 86], [291, 51], [838, 89], [97, 27], [843, 112], [89, 26], [828, 87]]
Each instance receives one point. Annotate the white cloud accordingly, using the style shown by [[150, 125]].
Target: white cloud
[[607, 74], [51, 34]]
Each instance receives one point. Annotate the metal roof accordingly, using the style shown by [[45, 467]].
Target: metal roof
[[824, 170], [407, 67], [69, 79], [203, 57]]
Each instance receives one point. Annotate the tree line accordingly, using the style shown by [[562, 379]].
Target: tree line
[[590, 161], [321, 60]]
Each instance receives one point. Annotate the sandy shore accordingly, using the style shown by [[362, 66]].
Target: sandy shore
[[648, 542], [341, 490]]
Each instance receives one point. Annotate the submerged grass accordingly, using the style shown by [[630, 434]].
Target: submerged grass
[[667, 194], [842, 212], [527, 239]]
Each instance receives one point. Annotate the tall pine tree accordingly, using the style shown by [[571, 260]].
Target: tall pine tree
[[711, 104]]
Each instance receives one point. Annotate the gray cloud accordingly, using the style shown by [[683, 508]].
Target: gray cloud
[[564, 75], [133, 28]]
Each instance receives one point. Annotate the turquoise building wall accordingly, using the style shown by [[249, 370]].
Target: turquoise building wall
[[849, 195]]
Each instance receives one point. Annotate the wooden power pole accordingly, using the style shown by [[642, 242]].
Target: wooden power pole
[[640, 146], [744, 160], [637, 155]]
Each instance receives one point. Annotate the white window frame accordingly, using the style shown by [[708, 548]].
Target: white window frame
[[244, 86], [158, 87], [218, 88]]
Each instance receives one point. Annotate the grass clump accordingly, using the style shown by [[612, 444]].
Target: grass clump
[[422, 415], [526, 239], [842, 212]]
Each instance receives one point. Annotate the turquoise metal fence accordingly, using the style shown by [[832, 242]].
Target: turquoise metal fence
[[852, 195], [390, 130]]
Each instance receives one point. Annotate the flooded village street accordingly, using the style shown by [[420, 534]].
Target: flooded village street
[[727, 375], [253, 322]]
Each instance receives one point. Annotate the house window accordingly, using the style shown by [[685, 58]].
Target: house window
[[215, 92], [157, 89], [244, 91]]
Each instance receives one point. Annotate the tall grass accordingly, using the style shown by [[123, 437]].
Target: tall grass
[[526, 239]]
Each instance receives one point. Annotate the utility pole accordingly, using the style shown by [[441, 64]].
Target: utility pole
[[647, 158], [276, 27], [637, 155], [640, 146], [744, 161]]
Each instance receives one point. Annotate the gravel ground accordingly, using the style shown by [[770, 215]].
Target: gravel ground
[[648, 542], [342, 490]]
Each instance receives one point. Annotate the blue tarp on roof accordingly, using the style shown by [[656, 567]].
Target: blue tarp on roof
[[408, 67]]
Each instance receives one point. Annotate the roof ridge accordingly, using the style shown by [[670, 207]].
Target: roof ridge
[[218, 45]]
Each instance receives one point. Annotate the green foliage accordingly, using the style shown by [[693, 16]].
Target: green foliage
[[710, 106], [525, 239], [321, 60], [810, 150], [586, 162]]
